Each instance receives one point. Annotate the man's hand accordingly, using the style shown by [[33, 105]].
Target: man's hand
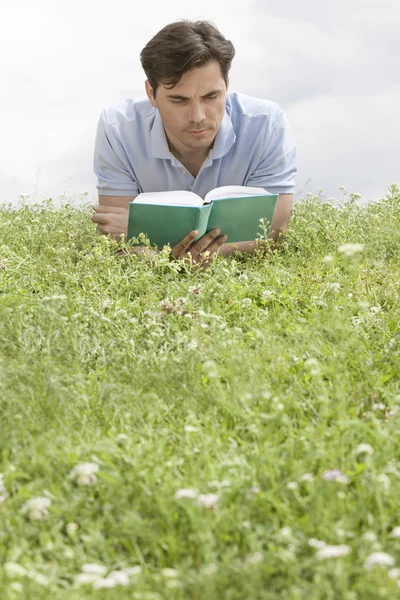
[[111, 220], [202, 251]]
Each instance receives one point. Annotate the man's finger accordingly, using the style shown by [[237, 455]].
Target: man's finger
[[180, 248], [101, 208], [203, 243], [99, 218], [217, 243]]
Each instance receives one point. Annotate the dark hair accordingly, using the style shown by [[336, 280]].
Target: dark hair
[[182, 45]]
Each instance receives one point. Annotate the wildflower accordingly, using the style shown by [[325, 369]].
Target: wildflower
[[118, 577], [334, 475], [132, 570], [84, 473], [385, 482], [171, 573], [328, 260], [210, 569], [375, 309], [190, 428], [71, 528], [209, 501], [394, 573], [364, 449], [252, 492], [94, 569], [243, 277], [395, 532], [369, 536], [334, 286], [267, 294], [36, 508], [379, 558], [307, 477], [350, 249], [3, 492], [14, 570], [292, 485], [101, 583], [332, 551], [186, 493], [314, 543], [378, 406], [194, 289], [255, 558], [246, 302]]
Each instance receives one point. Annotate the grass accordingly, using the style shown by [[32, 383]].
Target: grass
[[250, 380]]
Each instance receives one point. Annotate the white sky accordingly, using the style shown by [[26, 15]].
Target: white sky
[[333, 67]]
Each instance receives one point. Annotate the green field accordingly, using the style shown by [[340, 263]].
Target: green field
[[267, 386]]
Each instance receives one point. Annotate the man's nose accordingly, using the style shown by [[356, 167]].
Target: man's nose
[[196, 113]]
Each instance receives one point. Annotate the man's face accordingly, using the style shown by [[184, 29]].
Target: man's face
[[190, 106]]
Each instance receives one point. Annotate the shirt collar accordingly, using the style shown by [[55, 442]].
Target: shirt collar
[[223, 142]]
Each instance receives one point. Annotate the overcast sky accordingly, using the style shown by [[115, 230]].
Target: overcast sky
[[333, 67]]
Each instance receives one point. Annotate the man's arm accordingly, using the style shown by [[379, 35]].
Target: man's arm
[[280, 222], [111, 215]]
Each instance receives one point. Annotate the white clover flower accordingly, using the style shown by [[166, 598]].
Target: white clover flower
[[375, 309], [255, 558], [378, 406], [186, 493], [267, 294], [119, 577], [243, 277], [3, 492], [395, 532], [246, 302], [14, 570], [194, 289], [84, 473], [332, 551], [130, 571], [86, 578], [384, 480], [252, 491], [101, 583], [394, 573], [334, 286], [170, 573], [350, 249], [328, 260], [36, 508], [307, 477], [209, 501], [364, 449], [369, 536], [314, 543], [190, 429], [379, 558], [292, 485], [94, 568], [210, 569], [334, 475]]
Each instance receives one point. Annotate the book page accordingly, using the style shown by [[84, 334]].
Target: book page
[[234, 191], [175, 198]]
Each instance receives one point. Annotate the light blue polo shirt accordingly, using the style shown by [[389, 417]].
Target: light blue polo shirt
[[254, 146]]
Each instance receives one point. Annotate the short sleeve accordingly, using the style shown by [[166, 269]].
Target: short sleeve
[[276, 171], [110, 164]]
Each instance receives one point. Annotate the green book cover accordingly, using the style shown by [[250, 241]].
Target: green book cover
[[237, 217]]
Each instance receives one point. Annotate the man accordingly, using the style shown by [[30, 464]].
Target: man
[[189, 133]]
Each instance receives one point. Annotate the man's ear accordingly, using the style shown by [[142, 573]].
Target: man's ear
[[149, 92]]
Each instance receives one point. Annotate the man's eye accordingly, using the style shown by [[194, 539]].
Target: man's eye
[[180, 101]]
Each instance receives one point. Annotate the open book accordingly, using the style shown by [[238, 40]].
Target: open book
[[167, 217]]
